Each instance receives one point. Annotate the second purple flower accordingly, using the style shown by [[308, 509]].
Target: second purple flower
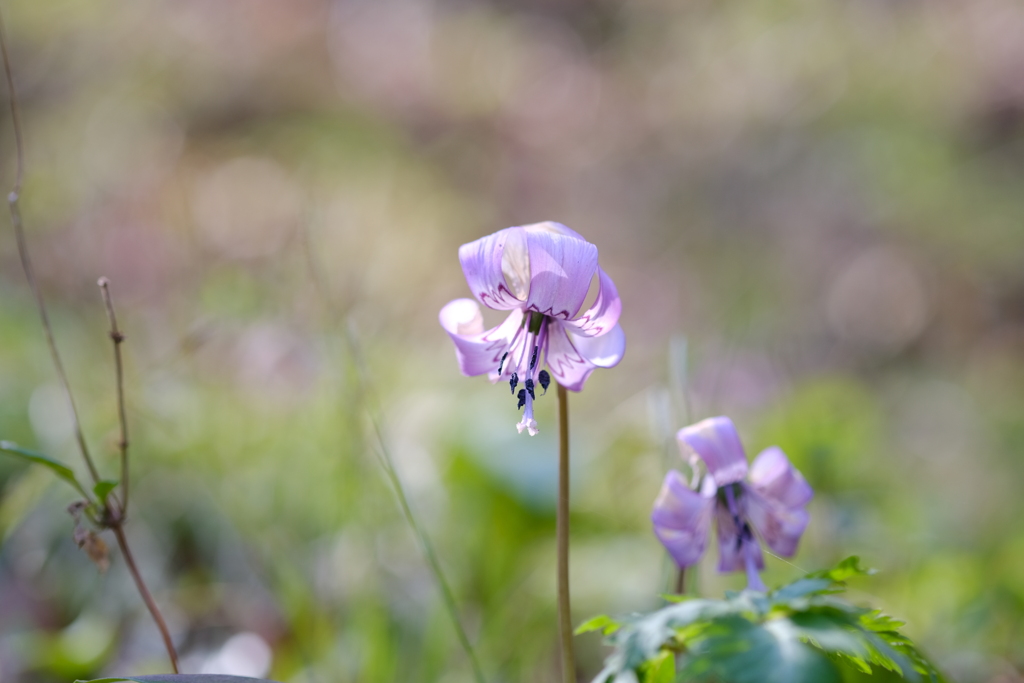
[[766, 501], [542, 274]]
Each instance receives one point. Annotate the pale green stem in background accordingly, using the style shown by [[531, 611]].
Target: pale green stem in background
[[388, 465]]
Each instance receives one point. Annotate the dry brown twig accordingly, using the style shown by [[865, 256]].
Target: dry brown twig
[[114, 509]]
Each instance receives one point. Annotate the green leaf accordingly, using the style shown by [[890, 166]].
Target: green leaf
[[181, 678], [795, 634], [735, 650], [660, 670], [802, 588], [103, 488], [641, 638], [843, 571], [833, 632], [55, 466], [602, 623]]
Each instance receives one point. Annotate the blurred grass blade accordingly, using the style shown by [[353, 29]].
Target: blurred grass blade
[[55, 466], [388, 465]]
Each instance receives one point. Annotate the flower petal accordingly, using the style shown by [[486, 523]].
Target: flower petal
[[682, 519], [482, 265], [561, 266], [732, 550], [780, 527], [716, 442], [604, 314], [775, 478], [477, 351], [572, 359]]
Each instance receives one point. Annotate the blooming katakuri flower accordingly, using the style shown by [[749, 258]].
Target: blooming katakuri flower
[[542, 273], [767, 501]]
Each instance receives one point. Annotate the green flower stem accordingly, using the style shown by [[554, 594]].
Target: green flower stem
[[564, 612]]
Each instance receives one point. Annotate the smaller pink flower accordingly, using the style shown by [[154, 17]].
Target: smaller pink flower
[[541, 273], [766, 502]]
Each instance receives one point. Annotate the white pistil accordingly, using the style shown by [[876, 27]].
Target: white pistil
[[522, 361], [528, 422]]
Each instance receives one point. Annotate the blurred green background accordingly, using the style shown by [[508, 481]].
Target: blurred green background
[[814, 213]]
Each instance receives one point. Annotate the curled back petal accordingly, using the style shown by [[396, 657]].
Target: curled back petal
[[779, 526], [716, 442], [775, 478], [482, 262], [733, 552], [477, 351], [604, 314], [561, 267], [555, 227], [571, 359], [682, 519]]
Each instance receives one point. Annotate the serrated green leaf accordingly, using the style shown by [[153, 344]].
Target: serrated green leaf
[[602, 623], [858, 663], [736, 650], [659, 670], [795, 634], [844, 570], [103, 488], [800, 588], [829, 630], [876, 621], [60, 469]]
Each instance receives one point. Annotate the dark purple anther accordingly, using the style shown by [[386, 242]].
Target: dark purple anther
[[513, 383], [529, 389], [502, 363], [545, 380], [533, 360], [522, 398]]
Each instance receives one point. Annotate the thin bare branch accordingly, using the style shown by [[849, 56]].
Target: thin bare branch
[[26, 261], [113, 508], [117, 338], [147, 597]]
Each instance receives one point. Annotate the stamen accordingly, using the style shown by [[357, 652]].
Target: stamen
[[529, 389], [545, 380], [744, 535], [502, 363], [522, 399], [533, 360], [513, 383]]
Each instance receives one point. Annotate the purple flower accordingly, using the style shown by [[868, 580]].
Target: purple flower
[[542, 274], [769, 499]]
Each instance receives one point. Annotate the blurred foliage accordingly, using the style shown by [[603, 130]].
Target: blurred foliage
[[812, 211], [799, 633]]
